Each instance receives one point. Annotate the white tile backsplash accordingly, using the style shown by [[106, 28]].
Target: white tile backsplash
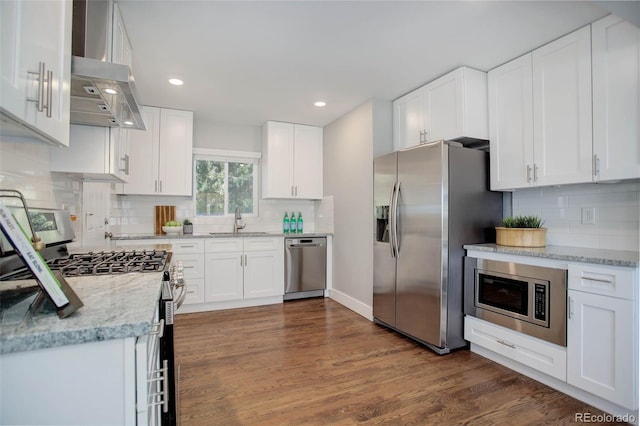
[[617, 214], [135, 214]]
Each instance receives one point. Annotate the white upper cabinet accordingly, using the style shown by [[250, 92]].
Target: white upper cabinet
[[540, 109], [511, 124], [160, 158], [562, 110], [121, 52], [36, 70], [292, 161], [453, 106], [616, 99], [95, 153]]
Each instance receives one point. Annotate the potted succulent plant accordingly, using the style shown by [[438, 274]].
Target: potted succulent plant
[[187, 227], [521, 231]]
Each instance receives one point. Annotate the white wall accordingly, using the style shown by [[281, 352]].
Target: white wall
[[349, 145], [233, 138], [617, 208]]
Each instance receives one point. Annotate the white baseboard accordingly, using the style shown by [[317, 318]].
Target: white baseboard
[[354, 304]]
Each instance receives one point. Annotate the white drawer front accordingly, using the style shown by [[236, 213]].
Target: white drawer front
[[263, 244], [545, 357], [193, 264], [222, 245], [614, 281], [195, 292], [187, 246]]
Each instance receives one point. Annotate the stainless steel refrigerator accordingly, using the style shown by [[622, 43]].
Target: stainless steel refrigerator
[[429, 202]]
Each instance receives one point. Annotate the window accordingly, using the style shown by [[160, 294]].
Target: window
[[224, 180]]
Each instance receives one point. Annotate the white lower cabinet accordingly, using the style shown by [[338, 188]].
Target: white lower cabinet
[[602, 343], [535, 353], [243, 268], [224, 273], [96, 383], [191, 253]]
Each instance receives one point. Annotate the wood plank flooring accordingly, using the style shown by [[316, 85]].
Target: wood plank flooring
[[314, 362]]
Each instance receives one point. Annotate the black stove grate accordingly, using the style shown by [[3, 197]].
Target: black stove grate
[[101, 263]]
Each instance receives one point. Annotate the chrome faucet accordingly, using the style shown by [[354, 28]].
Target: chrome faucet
[[238, 223]]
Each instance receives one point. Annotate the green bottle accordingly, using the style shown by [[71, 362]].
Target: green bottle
[[292, 223], [300, 223], [285, 224]]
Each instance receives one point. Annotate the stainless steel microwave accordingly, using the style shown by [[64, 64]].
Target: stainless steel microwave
[[525, 298]]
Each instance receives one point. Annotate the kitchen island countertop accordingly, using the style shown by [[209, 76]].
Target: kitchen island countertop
[[566, 253], [115, 307]]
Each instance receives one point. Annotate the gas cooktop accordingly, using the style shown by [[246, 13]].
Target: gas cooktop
[[101, 263]]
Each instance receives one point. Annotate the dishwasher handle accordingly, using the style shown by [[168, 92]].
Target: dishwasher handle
[[305, 242]]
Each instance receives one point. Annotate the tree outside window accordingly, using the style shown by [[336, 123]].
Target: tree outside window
[[221, 186]]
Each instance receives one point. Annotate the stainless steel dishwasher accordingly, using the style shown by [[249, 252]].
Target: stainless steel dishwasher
[[305, 267]]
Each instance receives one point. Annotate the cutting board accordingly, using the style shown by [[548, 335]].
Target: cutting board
[[163, 215]]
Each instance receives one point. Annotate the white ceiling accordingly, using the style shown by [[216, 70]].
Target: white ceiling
[[247, 62]]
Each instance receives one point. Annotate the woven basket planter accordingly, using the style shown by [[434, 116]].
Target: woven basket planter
[[521, 237]]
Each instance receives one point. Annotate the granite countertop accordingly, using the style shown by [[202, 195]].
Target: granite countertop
[[565, 253], [143, 236], [115, 307]]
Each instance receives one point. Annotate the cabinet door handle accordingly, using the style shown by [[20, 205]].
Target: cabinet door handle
[[502, 342], [421, 136], [125, 169], [49, 94], [39, 99], [160, 185], [241, 260], [596, 165], [535, 172], [528, 173], [292, 190], [600, 280], [246, 260], [296, 194], [571, 311], [188, 267]]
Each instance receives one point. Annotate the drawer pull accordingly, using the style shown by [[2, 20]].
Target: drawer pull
[[191, 246], [188, 267], [600, 280], [502, 342]]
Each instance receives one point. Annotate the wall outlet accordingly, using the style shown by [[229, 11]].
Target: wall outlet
[[588, 215]]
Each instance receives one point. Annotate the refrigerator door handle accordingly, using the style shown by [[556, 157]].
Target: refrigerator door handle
[[392, 221], [396, 239]]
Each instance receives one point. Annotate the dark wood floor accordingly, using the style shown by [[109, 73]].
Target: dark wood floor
[[314, 362]]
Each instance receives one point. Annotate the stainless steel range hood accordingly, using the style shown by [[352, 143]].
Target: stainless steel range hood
[[102, 93]]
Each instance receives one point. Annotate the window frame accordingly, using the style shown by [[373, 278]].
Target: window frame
[[227, 156]]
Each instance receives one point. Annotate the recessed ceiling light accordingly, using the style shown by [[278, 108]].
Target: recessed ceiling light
[[128, 123], [110, 91], [176, 81], [320, 104]]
